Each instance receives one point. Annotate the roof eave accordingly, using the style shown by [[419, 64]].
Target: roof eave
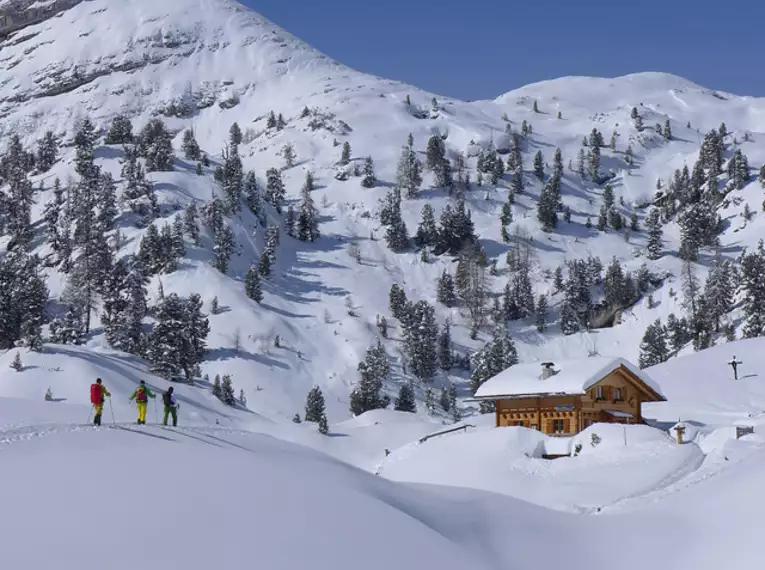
[[522, 396]]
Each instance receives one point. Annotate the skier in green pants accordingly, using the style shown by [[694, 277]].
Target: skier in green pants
[[171, 406]]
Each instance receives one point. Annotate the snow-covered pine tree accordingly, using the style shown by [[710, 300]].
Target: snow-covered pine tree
[[307, 222], [719, 290], [373, 370], [445, 348], [120, 131], [654, 245], [166, 340], [47, 152], [409, 171], [420, 338], [155, 145], [497, 355], [223, 249], [252, 286], [235, 135], [667, 131], [275, 192], [315, 408], [396, 234], [602, 219], [541, 311], [445, 293], [405, 401], [753, 288], [369, 180], [233, 178], [227, 396], [217, 389], [594, 164], [453, 406], [547, 207], [190, 226], [16, 363], [397, 301], [289, 155], [189, 146], [427, 233], [539, 165], [653, 348], [345, 154]]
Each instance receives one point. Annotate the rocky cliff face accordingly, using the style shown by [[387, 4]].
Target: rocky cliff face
[[17, 14]]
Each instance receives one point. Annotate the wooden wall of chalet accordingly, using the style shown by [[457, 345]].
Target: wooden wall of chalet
[[541, 413], [619, 392]]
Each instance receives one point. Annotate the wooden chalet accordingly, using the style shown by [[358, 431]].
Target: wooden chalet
[[566, 398]]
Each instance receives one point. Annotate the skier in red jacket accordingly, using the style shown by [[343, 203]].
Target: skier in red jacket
[[97, 394]]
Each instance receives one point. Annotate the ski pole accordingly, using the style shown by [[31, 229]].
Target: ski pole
[[114, 422], [156, 417], [90, 413]]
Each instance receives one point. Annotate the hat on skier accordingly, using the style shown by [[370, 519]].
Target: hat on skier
[[142, 382], [98, 380]]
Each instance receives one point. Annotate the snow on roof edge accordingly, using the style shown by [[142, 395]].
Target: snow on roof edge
[[519, 381]]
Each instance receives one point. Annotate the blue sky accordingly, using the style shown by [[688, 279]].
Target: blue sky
[[482, 48]]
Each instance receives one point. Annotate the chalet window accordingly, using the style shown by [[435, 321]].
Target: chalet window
[[518, 423], [599, 393], [559, 426], [617, 394]]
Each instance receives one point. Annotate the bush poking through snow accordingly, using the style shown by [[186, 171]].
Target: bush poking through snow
[[595, 440], [17, 364]]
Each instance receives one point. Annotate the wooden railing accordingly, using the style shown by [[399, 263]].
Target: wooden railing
[[444, 432]]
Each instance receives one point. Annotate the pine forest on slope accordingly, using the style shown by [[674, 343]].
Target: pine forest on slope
[[199, 188]]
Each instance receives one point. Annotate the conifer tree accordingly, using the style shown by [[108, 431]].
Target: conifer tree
[[345, 154], [307, 222], [396, 235], [444, 399], [655, 232], [594, 164], [315, 408], [653, 348], [541, 311], [289, 155], [190, 222], [223, 248], [445, 293], [252, 286], [369, 180], [47, 152], [271, 122], [156, 147], [445, 348], [217, 390], [251, 193], [547, 207], [409, 171], [405, 401], [667, 131], [453, 406], [539, 165], [497, 355], [753, 288], [16, 364], [275, 192], [373, 370], [427, 233], [120, 131], [420, 336], [280, 122], [227, 396], [397, 302], [189, 146]]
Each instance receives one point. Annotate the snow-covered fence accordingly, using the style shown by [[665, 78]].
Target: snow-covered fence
[[444, 432]]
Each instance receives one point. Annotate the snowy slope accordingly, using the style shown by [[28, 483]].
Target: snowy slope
[[210, 497], [223, 63]]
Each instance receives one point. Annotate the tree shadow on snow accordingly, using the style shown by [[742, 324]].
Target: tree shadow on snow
[[229, 353]]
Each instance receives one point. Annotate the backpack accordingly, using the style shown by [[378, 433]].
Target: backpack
[[167, 399], [140, 395], [96, 394]]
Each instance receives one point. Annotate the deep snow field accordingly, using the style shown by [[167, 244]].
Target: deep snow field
[[229, 486]]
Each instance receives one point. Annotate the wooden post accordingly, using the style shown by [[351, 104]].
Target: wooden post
[[679, 430]]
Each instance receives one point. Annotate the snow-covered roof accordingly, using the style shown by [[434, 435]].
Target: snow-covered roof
[[572, 377]]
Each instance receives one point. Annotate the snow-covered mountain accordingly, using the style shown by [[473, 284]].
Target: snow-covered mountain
[[206, 64]]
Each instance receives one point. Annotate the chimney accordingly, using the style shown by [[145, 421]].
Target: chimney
[[547, 370]]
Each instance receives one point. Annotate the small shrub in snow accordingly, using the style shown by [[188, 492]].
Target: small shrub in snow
[[277, 341], [296, 419], [48, 395], [17, 364], [354, 251], [214, 306], [577, 449], [595, 440]]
